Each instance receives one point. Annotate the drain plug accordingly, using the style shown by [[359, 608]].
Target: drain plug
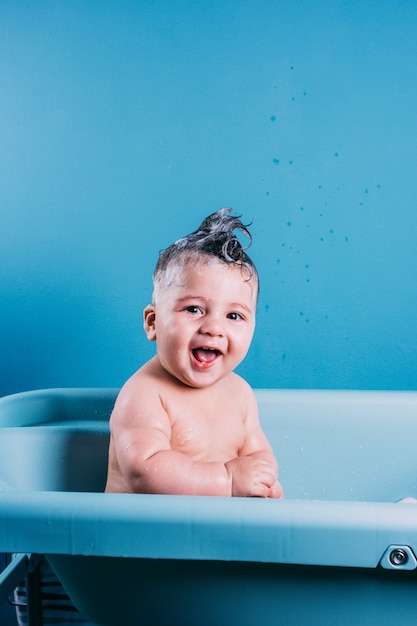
[[398, 557]]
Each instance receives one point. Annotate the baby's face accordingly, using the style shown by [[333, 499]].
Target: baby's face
[[204, 322]]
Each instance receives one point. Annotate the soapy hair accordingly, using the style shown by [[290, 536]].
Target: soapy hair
[[214, 238]]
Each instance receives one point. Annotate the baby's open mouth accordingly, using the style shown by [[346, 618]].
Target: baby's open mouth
[[205, 355]]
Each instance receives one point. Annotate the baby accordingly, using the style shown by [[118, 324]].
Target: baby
[[185, 423]]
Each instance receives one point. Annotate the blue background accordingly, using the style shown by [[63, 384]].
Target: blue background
[[123, 124]]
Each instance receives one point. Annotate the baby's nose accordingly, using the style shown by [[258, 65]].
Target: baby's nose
[[212, 325]]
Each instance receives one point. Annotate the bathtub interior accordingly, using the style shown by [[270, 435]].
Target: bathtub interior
[[343, 445], [351, 446], [55, 440]]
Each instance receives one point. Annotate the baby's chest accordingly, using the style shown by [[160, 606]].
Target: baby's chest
[[208, 435]]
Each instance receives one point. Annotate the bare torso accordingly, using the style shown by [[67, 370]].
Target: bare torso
[[207, 424]]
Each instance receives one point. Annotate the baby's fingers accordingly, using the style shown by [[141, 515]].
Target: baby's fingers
[[276, 491]]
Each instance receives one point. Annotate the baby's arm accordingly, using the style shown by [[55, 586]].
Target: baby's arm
[[255, 471], [140, 443]]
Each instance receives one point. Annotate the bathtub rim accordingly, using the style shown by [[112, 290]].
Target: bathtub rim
[[299, 532]]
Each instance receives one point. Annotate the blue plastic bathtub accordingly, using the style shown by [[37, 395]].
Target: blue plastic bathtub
[[337, 550]]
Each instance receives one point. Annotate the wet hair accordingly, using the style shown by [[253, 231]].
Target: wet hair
[[214, 238]]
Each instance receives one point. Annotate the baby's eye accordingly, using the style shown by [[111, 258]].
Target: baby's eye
[[193, 309], [235, 316]]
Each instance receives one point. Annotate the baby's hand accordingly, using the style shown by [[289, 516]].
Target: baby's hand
[[252, 476]]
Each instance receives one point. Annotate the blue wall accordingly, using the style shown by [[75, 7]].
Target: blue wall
[[123, 124]]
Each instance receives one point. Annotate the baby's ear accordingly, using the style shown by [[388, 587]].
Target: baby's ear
[[149, 322]]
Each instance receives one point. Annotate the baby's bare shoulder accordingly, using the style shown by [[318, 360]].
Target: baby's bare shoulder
[[237, 384], [139, 396], [237, 380], [148, 377]]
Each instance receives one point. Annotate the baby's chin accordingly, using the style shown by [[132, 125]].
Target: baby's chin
[[176, 377], [199, 380]]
